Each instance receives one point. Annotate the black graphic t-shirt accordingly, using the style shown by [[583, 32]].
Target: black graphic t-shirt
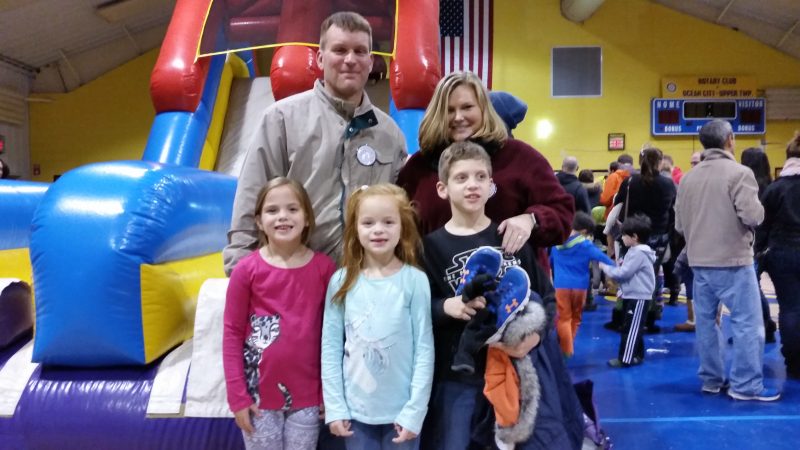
[[444, 257]]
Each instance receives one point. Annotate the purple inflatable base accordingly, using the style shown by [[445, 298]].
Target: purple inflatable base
[[66, 408]]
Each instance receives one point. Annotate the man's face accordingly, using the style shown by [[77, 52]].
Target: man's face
[[695, 159], [346, 63]]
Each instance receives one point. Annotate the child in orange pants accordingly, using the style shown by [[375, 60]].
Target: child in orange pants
[[570, 263]]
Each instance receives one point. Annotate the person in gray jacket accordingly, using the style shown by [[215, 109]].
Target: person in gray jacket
[[717, 210], [637, 280], [330, 138]]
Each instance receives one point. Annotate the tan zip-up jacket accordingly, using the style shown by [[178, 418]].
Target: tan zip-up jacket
[[314, 138], [717, 210]]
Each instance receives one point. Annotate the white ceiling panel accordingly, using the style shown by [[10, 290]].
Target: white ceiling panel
[[40, 35]]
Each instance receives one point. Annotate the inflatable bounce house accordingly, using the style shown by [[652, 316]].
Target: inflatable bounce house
[[111, 277]]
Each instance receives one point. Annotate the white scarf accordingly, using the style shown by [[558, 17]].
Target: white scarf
[[792, 167]]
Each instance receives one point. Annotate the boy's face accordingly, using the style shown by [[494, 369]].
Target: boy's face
[[630, 241], [468, 186]]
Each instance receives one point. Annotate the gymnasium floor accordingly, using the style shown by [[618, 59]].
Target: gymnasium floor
[[658, 405]]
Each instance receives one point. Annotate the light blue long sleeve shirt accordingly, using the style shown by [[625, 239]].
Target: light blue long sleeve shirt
[[636, 275], [377, 350]]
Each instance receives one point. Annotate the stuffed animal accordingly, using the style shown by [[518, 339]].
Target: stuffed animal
[[501, 371]]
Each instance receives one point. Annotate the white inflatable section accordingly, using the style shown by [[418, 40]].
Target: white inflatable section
[[14, 378], [249, 98], [206, 395], [166, 396]]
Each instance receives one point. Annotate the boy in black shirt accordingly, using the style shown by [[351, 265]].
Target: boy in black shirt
[[459, 413]]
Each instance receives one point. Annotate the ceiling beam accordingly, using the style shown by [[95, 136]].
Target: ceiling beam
[[70, 67], [725, 10], [19, 64], [132, 40], [788, 33]]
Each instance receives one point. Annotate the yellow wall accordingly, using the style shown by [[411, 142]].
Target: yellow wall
[[107, 119], [641, 43]]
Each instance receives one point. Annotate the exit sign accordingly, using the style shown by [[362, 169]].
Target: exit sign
[[616, 141]]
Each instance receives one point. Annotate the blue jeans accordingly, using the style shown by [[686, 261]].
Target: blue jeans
[[449, 422], [376, 437], [736, 288], [783, 266]]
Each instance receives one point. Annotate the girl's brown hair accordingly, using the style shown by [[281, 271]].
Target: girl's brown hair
[[649, 164], [434, 130], [302, 196], [407, 248]]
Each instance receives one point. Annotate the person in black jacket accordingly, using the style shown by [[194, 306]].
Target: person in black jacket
[[570, 182], [777, 249], [652, 195]]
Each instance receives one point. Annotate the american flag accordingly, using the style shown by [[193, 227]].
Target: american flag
[[466, 37]]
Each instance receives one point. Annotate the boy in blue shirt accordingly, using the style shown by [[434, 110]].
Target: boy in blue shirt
[[570, 262]]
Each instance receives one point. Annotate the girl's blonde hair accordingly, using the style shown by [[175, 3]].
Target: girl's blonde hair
[[434, 130], [305, 203], [407, 248]]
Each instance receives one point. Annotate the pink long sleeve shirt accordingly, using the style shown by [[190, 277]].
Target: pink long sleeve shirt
[[273, 318]]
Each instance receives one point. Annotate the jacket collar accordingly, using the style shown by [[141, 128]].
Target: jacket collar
[[717, 153], [360, 117], [346, 109], [791, 167], [572, 241]]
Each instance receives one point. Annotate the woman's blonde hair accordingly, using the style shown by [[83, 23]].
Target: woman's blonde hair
[[407, 248], [434, 131], [302, 196]]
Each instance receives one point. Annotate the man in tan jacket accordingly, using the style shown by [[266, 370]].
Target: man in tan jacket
[[717, 210], [331, 139]]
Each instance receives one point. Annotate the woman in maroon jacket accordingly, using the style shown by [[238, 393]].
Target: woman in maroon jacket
[[528, 202], [530, 206]]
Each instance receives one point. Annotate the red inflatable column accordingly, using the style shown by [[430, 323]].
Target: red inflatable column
[[415, 69], [294, 68], [176, 83]]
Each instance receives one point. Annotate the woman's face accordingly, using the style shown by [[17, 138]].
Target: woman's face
[[464, 116]]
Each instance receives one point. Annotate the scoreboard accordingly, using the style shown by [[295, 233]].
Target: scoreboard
[[680, 117]]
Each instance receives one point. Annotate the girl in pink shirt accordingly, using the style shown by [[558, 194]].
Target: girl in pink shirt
[[273, 325]]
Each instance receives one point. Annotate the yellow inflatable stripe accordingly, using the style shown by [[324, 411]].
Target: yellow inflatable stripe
[[238, 66], [169, 299], [211, 145], [235, 67], [16, 263]]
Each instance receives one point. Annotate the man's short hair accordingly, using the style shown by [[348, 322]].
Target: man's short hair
[[583, 222], [347, 21], [715, 133], [570, 164], [625, 159], [586, 176], [613, 166], [639, 225], [460, 151], [666, 157], [793, 148]]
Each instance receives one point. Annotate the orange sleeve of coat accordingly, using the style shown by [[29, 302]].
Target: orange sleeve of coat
[[610, 189], [502, 387]]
